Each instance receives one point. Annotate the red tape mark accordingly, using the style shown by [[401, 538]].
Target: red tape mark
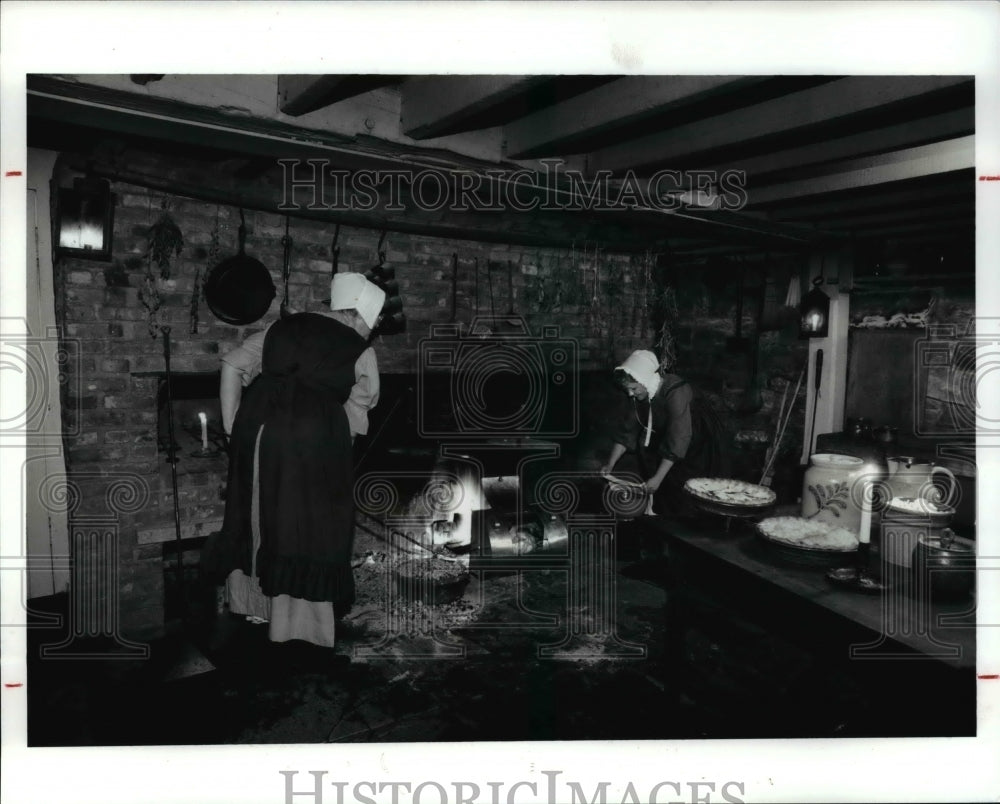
[[993, 677], [18, 684], [13, 173]]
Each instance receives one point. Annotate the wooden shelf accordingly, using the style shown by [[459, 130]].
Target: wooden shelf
[[917, 280]]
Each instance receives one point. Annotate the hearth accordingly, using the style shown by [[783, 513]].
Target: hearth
[[197, 414]]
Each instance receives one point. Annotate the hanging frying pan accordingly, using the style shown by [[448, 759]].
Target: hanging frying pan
[[239, 290]]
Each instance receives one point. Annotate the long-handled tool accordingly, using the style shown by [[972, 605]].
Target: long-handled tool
[[335, 250], [816, 385], [286, 243], [182, 658], [172, 460], [783, 417], [454, 286]]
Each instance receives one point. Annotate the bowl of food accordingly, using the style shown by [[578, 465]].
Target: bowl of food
[[906, 518], [729, 497], [910, 508], [431, 580], [806, 541]]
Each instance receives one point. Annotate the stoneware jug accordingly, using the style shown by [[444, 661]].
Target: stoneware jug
[[828, 492], [913, 479]]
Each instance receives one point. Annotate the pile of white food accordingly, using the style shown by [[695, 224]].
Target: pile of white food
[[801, 532], [918, 505], [730, 491]]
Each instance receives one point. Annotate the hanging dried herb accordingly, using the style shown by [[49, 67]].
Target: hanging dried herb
[[165, 242], [198, 291], [149, 295]]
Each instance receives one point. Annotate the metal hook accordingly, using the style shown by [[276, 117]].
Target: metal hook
[[381, 242]]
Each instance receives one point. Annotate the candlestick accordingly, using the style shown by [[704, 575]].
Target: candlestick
[[204, 431], [865, 530]]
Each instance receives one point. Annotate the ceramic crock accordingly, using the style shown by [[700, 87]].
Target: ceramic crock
[[828, 492]]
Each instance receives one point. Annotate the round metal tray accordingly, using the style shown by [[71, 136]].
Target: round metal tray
[[738, 510], [807, 556]]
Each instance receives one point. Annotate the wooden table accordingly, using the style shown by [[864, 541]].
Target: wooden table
[[887, 643]]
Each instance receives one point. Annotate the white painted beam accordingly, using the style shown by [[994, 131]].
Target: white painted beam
[[829, 405], [809, 107]]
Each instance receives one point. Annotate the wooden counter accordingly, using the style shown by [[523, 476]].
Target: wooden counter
[[901, 625], [903, 669]]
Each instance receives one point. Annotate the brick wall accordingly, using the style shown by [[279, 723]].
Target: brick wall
[[596, 298], [600, 299]]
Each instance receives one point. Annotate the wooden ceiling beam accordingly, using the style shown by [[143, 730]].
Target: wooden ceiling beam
[[797, 110], [913, 132], [608, 107], [434, 106], [911, 163], [301, 94]]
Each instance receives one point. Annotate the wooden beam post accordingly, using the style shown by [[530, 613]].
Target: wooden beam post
[[837, 268]]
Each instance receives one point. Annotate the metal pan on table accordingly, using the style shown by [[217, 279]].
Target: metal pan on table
[[808, 542], [730, 497]]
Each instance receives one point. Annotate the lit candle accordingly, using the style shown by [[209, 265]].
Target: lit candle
[[865, 532], [204, 431]]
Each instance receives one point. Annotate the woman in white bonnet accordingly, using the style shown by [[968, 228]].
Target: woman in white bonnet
[[657, 425], [294, 397]]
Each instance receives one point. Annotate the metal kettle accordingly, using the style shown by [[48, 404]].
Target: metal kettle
[[945, 565]]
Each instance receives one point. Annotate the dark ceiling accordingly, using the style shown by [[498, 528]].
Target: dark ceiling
[[884, 164]]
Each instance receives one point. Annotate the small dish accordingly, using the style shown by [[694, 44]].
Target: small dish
[[849, 577]]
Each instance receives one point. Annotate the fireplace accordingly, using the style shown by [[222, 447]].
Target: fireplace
[[195, 397], [201, 473]]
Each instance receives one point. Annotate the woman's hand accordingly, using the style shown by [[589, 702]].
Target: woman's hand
[[654, 483], [617, 450]]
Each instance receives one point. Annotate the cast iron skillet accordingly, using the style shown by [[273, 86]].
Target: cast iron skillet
[[239, 290]]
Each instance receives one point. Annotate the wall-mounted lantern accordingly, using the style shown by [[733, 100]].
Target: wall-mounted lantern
[[85, 220], [814, 312]]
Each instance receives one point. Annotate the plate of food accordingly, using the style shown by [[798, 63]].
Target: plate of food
[[729, 497], [808, 541], [917, 508]]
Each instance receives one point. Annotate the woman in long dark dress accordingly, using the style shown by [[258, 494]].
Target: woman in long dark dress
[[289, 509]]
